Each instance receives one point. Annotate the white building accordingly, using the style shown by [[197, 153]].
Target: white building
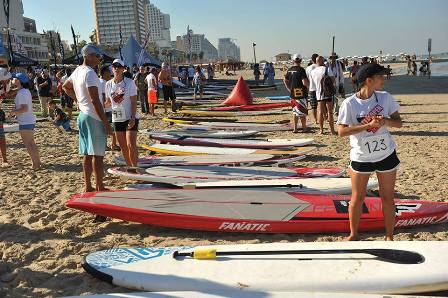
[[111, 14], [227, 49], [199, 44], [158, 24], [24, 38]]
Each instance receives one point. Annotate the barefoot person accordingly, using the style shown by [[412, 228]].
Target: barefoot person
[[24, 114], [296, 82], [121, 92], [93, 125], [365, 117]]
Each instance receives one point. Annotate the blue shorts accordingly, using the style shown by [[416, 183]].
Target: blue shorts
[[92, 136], [27, 127], [64, 124]]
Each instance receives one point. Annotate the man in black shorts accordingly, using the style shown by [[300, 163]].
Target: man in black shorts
[[166, 80], [297, 84]]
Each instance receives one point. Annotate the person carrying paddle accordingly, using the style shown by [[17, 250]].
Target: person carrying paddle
[[297, 83], [365, 117]]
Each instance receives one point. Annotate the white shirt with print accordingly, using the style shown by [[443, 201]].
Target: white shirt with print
[[355, 111], [120, 95], [150, 79]]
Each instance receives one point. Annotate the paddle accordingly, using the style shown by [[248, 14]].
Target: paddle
[[396, 256]]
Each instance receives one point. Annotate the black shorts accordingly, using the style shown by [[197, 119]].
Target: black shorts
[[341, 89], [123, 126], [326, 99], [109, 116], [66, 101], [168, 93], [388, 164], [312, 99]]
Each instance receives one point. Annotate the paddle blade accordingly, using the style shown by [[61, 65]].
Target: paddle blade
[[397, 256]]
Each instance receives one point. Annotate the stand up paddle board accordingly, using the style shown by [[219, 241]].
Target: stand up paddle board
[[193, 120], [231, 114], [217, 134], [11, 127], [169, 149], [253, 107], [244, 293], [225, 160], [399, 267], [181, 175], [251, 211], [236, 126], [232, 143]]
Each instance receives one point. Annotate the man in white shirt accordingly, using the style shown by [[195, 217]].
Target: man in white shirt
[[93, 125], [151, 82], [312, 99], [323, 79], [337, 69]]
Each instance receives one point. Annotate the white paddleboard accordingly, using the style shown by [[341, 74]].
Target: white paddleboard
[[236, 143], [353, 271], [244, 293], [306, 185], [11, 127], [236, 126], [182, 175], [234, 134]]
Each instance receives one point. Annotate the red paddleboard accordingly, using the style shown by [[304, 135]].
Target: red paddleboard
[[251, 211], [254, 107]]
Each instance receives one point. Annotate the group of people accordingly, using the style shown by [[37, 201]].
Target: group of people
[[364, 117], [268, 74], [317, 86]]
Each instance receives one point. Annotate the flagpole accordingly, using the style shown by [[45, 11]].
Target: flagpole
[[189, 44], [61, 49], [75, 43], [121, 42]]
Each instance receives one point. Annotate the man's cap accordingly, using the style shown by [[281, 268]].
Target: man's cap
[[4, 74], [23, 78], [90, 49], [118, 61], [297, 56], [369, 70]]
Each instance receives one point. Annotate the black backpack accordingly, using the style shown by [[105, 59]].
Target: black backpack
[[328, 88]]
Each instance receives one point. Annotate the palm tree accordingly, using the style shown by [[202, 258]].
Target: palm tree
[[194, 57], [201, 56]]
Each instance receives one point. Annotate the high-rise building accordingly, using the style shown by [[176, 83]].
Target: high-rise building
[[158, 24], [199, 45], [227, 49], [24, 38], [110, 15]]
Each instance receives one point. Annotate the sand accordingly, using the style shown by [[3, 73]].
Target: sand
[[42, 243]]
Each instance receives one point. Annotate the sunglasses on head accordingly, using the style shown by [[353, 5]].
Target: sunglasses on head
[[116, 65]]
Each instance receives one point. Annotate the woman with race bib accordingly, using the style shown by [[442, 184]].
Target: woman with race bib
[[121, 93], [365, 117]]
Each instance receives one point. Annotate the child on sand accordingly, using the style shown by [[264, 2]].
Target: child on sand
[[59, 117]]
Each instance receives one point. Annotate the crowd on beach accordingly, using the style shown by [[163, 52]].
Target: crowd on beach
[[107, 101]]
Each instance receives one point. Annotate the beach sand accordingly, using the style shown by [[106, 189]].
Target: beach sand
[[42, 243]]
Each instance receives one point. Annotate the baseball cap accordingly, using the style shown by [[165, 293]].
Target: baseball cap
[[23, 78], [296, 56], [369, 70], [90, 49], [119, 62], [4, 74]]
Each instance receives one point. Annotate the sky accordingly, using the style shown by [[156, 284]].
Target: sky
[[360, 27]]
